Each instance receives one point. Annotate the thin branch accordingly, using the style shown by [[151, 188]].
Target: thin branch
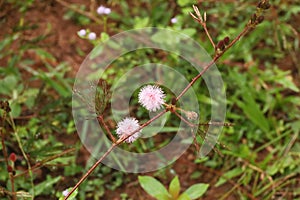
[[202, 22], [100, 118], [43, 162], [5, 155], [216, 57], [87, 14], [121, 140], [184, 120]]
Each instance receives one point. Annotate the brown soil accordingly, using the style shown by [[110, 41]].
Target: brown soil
[[62, 42]]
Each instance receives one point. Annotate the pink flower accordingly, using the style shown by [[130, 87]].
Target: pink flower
[[151, 97], [126, 127]]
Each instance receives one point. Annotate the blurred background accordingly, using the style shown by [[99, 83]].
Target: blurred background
[[42, 45]]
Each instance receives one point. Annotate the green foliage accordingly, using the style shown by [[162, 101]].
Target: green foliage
[[263, 100], [156, 189]]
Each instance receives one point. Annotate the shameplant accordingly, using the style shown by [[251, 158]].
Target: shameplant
[[152, 98]]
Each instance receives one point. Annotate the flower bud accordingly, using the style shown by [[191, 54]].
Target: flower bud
[[173, 101], [9, 168], [226, 40], [191, 115], [253, 18], [264, 4], [221, 45], [13, 157], [260, 19]]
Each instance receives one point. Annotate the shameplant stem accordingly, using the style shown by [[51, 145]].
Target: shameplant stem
[[202, 22], [121, 140], [101, 119], [6, 157], [218, 54], [216, 57], [91, 170]]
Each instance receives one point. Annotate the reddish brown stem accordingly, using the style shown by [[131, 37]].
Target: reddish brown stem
[[216, 57], [121, 140], [5, 155], [208, 35], [101, 119], [43, 162]]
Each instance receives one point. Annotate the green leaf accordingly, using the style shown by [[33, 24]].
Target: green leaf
[[8, 84], [44, 54], [183, 3], [229, 175], [287, 82], [174, 187], [63, 91], [23, 195], [253, 111], [141, 22], [72, 196], [15, 109], [104, 37], [184, 196], [197, 190], [189, 31], [153, 187], [46, 186], [96, 51]]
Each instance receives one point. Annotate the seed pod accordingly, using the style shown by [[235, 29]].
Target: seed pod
[[260, 4], [221, 45], [13, 157], [173, 101], [253, 18], [9, 168], [226, 40], [266, 6], [260, 19]]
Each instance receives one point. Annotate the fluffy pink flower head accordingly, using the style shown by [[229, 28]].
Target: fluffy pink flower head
[[126, 127], [151, 97]]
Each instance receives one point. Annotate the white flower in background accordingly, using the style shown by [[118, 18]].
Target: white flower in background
[[82, 32], [126, 127], [65, 192], [92, 36], [151, 97], [174, 20], [102, 10]]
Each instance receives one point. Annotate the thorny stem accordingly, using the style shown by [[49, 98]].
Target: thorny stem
[[121, 140]]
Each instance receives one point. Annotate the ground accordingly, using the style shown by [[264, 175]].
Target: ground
[[63, 43]]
